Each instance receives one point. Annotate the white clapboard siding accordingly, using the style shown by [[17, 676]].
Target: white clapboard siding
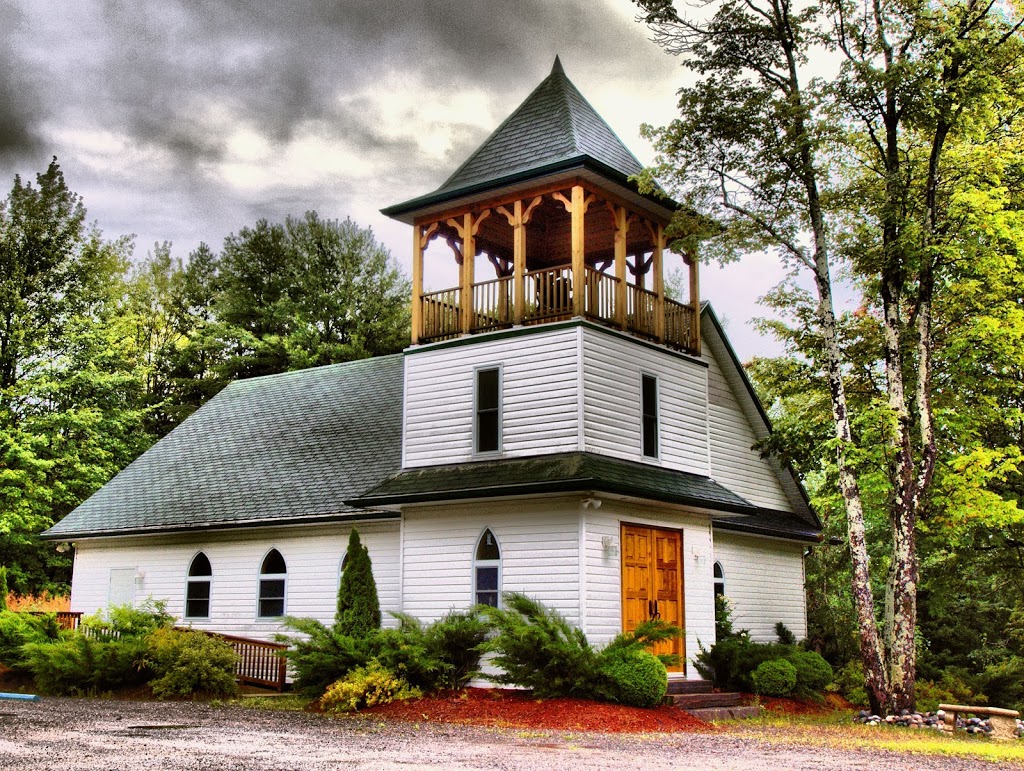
[[612, 370], [764, 581], [539, 397], [733, 462], [603, 595], [312, 555], [538, 540]]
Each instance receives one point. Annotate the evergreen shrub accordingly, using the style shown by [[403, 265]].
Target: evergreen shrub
[[366, 686], [638, 678], [322, 655], [776, 677], [813, 673], [17, 629], [86, 666], [187, 662], [358, 613], [442, 655], [3, 588]]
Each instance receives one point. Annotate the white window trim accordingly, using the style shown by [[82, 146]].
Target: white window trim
[[487, 563], [476, 409], [656, 458], [261, 577], [189, 579], [715, 580]]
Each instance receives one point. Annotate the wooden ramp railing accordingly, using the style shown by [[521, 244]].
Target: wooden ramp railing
[[66, 619], [259, 662]]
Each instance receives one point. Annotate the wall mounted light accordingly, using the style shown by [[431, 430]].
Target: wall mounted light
[[591, 503], [610, 544]]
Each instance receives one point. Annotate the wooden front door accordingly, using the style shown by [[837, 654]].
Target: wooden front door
[[652, 582]]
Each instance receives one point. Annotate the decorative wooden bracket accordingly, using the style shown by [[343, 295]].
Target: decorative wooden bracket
[[567, 203]]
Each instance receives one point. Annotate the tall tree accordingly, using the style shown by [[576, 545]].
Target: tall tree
[[849, 168]]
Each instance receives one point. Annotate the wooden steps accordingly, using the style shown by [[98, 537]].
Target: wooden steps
[[689, 701], [698, 697], [689, 686]]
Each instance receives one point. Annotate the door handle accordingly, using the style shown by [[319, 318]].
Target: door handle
[[650, 609], [656, 614]]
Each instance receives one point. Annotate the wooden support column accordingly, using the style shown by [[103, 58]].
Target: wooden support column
[[691, 261], [580, 202], [519, 218], [416, 322], [467, 231], [659, 282], [622, 220]]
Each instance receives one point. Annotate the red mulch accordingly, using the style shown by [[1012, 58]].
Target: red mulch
[[519, 709], [832, 703]]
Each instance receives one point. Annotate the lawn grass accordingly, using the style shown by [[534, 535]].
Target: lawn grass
[[287, 703], [836, 730]]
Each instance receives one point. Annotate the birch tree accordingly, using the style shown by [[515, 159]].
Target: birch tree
[[847, 168]]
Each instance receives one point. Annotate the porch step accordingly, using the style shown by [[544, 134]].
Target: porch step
[[712, 714], [690, 686], [692, 701]]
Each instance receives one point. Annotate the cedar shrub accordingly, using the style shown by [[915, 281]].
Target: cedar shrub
[[358, 612]]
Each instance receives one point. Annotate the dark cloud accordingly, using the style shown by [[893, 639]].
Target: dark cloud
[[20, 107]]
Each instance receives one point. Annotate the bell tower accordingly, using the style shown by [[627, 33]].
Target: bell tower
[[545, 225]]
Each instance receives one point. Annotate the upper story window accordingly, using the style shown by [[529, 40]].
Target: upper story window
[[273, 574], [197, 587], [487, 570], [719, 579], [649, 411], [487, 428]]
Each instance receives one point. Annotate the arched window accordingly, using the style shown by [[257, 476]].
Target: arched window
[[487, 570], [719, 579], [197, 587], [273, 574]]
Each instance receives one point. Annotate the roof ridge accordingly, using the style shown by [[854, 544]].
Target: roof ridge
[[307, 370]]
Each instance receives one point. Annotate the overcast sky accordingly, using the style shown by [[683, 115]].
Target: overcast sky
[[185, 120]]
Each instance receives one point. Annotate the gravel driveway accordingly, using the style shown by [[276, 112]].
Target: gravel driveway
[[99, 734]]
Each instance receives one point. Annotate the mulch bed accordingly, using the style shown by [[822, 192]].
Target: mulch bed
[[794, 707], [519, 709]]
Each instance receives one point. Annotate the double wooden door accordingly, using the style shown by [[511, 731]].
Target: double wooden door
[[652, 582]]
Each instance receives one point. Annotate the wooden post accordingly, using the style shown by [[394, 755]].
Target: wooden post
[[416, 322], [579, 211], [518, 218], [691, 261], [621, 234], [659, 283], [468, 254]]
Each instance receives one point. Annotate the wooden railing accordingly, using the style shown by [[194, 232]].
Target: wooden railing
[[441, 318], [548, 294], [259, 662], [66, 619], [599, 302], [641, 311], [492, 304], [679, 325]]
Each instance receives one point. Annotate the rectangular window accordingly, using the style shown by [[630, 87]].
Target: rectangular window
[[488, 410], [271, 598], [649, 398], [197, 599], [487, 586]]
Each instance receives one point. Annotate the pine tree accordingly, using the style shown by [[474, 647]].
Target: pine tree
[[358, 607]]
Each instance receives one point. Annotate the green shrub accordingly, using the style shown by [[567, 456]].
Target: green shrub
[[1003, 682], [445, 654], [187, 662], [366, 687], [128, 621], [786, 637], [723, 617], [358, 613], [536, 648], [82, 665], [776, 677], [638, 678], [731, 662], [17, 629], [3, 588], [322, 655], [813, 673]]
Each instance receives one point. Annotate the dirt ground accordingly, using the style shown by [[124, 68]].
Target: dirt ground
[[100, 734]]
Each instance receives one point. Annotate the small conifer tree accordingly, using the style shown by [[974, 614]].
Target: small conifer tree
[[3, 588], [358, 607]]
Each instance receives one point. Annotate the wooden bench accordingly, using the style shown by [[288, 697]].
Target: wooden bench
[[1004, 721]]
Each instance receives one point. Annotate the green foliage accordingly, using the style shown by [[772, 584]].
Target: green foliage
[[18, 629], [849, 683], [786, 637], [366, 687], [536, 648], [321, 654], [1003, 682], [442, 655], [3, 588], [950, 689], [776, 677], [187, 662], [732, 662], [723, 617], [358, 613], [123, 621], [813, 673], [81, 665], [637, 678]]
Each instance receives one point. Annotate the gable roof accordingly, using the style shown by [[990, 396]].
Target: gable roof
[[554, 129], [284, 447]]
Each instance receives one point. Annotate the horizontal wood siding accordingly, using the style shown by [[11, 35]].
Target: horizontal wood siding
[[612, 369], [539, 397], [764, 581], [604, 572], [312, 554], [733, 462], [539, 543]]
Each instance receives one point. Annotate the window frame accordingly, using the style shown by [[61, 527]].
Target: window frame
[[644, 376], [478, 563], [718, 580], [261, 577], [190, 580], [499, 409]]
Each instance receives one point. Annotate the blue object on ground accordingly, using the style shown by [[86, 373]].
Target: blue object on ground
[[19, 696]]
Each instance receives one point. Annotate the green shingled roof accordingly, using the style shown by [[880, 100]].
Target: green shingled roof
[[559, 472], [554, 129], [286, 447]]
